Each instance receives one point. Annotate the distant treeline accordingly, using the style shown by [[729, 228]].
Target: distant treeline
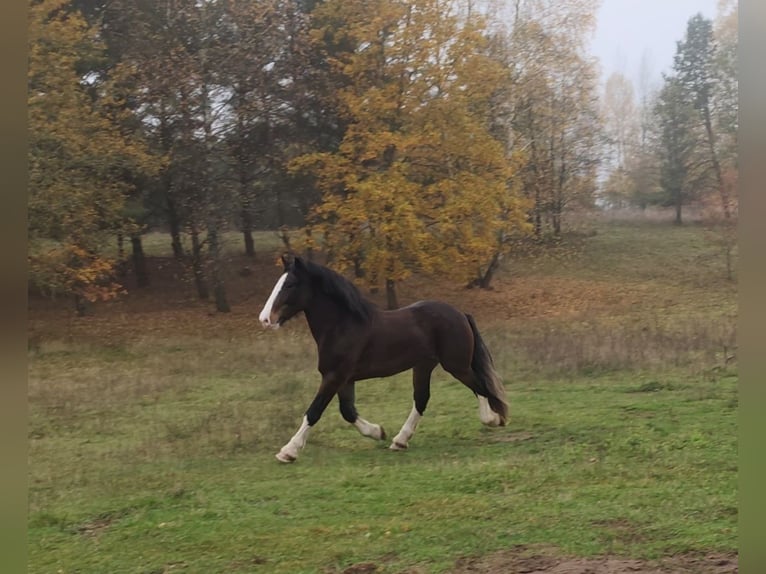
[[429, 136]]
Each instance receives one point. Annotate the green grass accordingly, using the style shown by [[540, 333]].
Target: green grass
[[157, 244], [156, 454]]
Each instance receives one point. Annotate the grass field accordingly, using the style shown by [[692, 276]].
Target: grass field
[[153, 426]]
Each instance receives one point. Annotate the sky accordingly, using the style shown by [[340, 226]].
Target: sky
[[628, 29]]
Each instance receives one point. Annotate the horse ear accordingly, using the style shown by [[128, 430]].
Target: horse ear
[[286, 262], [298, 264]]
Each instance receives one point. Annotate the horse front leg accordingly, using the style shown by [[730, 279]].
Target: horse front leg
[[421, 383], [346, 399], [327, 390]]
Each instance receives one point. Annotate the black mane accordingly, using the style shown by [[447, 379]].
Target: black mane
[[341, 290]]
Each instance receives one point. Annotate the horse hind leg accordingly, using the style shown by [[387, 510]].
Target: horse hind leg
[[346, 401], [421, 383], [487, 416]]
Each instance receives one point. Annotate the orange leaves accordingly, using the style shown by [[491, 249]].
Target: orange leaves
[[69, 269], [418, 182], [78, 156]]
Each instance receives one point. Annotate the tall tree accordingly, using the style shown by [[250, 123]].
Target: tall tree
[[643, 167], [261, 40], [176, 53], [725, 87], [415, 87], [79, 157], [694, 67], [676, 124], [556, 118], [620, 116], [632, 173], [722, 224]]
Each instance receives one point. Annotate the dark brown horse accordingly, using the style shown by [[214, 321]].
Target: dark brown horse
[[358, 341]]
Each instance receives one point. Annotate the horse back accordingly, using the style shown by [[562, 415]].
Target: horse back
[[424, 332]]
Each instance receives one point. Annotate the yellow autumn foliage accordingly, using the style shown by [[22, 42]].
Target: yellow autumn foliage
[[78, 156], [418, 182]]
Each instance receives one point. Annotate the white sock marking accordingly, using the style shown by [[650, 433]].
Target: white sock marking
[[408, 429], [265, 316], [486, 414], [367, 428], [289, 452]]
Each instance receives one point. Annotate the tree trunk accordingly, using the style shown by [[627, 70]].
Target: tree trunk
[[219, 289], [247, 231], [139, 261], [285, 238], [716, 165], [391, 294], [538, 210], [120, 268], [197, 268], [80, 305], [485, 281], [175, 230], [678, 213], [358, 270]]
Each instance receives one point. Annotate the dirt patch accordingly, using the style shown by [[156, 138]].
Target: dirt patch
[[521, 561], [93, 528]]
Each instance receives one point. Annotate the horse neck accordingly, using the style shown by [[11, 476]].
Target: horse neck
[[323, 315]]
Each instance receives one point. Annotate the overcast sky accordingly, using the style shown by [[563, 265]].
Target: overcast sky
[[627, 29]]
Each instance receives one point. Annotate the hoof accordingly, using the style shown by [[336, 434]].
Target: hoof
[[494, 421], [382, 434], [284, 457], [398, 446]]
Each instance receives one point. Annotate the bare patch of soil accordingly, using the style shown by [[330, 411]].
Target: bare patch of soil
[[521, 561], [99, 524], [361, 568]]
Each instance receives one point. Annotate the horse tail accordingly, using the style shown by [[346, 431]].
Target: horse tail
[[487, 377]]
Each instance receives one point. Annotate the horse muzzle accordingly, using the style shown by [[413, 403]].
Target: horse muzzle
[[270, 321]]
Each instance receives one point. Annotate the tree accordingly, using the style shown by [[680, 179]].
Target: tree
[[555, 119], [725, 87], [676, 122], [176, 53], [722, 223], [79, 158], [417, 165], [620, 118], [694, 67], [643, 162], [264, 72]]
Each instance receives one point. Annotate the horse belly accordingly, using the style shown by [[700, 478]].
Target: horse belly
[[389, 353]]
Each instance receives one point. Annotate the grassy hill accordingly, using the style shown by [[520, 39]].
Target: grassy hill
[[154, 422]]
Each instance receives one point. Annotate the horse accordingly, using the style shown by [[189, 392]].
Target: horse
[[356, 340]]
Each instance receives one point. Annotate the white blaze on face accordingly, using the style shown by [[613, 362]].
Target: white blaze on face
[[266, 318]]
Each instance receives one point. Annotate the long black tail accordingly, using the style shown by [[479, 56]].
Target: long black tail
[[484, 369]]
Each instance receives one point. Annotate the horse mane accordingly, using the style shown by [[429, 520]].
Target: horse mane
[[341, 290]]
